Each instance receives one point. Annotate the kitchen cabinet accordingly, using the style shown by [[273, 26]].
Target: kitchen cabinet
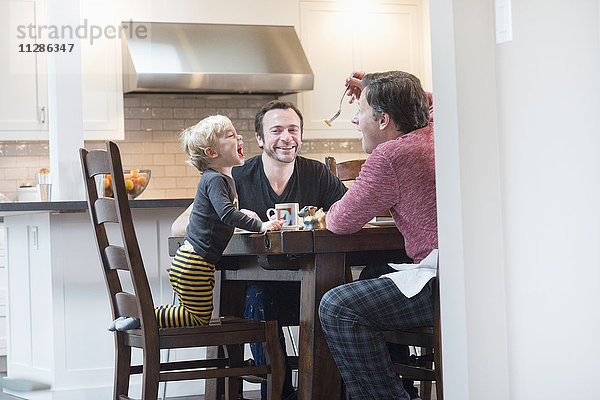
[[101, 75], [340, 37], [24, 104], [24, 100], [58, 309], [3, 293]]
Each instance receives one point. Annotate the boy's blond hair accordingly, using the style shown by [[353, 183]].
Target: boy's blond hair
[[204, 134]]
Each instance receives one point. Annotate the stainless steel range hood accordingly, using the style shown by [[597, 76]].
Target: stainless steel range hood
[[213, 58]]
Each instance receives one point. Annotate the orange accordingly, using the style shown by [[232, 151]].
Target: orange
[[143, 180], [44, 170], [134, 173], [129, 184], [106, 183]]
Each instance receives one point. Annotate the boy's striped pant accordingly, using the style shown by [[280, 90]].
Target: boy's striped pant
[[193, 279]]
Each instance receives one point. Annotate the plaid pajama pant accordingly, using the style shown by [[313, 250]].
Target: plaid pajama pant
[[353, 317]]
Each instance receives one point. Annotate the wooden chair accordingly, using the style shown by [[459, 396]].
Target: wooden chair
[[117, 260], [427, 367], [345, 171]]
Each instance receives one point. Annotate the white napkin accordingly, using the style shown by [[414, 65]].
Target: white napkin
[[411, 278]]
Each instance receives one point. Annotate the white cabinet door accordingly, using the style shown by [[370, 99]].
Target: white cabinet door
[[23, 77], [340, 37], [23, 102], [102, 80]]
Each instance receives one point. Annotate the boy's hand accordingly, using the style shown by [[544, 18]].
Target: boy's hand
[[274, 225], [250, 213]]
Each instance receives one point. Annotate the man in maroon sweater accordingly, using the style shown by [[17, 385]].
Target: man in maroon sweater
[[399, 175]]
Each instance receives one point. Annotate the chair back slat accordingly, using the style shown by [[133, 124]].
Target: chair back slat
[[116, 258], [348, 171], [97, 163], [345, 171], [106, 210], [127, 305]]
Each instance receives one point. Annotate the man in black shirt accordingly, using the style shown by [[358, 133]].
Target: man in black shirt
[[278, 175]]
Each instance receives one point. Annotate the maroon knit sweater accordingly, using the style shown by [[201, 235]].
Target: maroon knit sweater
[[399, 175]]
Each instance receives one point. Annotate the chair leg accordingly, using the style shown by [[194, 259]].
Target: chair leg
[[122, 367], [150, 376], [275, 361], [234, 353], [425, 386], [425, 390]]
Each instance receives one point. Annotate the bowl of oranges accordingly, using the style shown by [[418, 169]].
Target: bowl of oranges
[[136, 181]]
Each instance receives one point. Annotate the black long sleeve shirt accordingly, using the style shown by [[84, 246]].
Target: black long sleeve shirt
[[214, 216]]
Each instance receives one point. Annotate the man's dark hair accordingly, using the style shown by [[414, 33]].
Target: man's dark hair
[[274, 105], [400, 95]]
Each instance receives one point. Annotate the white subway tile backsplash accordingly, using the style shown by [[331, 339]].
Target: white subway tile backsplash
[[172, 102], [175, 170], [172, 147], [152, 125], [216, 102], [174, 124], [187, 181], [165, 136], [165, 182], [184, 113], [163, 113], [194, 102], [157, 170], [151, 101], [16, 173], [191, 171], [139, 160], [178, 193], [205, 112], [138, 136], [163, 159], [131, 102], [138, 112], [38, 149], [234, 102], [130, 148], [247, 113], [153, 148], [133, 125], [7, 161], [151, 193]]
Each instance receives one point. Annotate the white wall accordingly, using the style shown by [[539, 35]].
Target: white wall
[[469, 200], [549, 108], [517, 143]]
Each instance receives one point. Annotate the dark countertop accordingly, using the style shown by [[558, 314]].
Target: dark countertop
[[18, 207]]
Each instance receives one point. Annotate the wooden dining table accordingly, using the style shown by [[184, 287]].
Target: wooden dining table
[[315, 258]]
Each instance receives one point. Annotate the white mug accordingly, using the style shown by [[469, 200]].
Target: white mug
[[286, 212]]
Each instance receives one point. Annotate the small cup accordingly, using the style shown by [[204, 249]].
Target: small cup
[[286, 212], [44, 186]]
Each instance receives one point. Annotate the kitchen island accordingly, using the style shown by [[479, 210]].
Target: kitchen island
[[58, 309]]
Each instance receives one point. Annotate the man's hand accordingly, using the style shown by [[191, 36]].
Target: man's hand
[[354, 83], [274, 225]]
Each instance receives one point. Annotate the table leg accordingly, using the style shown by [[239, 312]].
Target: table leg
[[230, 302], [318, 376]]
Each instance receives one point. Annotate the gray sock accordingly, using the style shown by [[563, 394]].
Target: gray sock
[[124, 323]]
